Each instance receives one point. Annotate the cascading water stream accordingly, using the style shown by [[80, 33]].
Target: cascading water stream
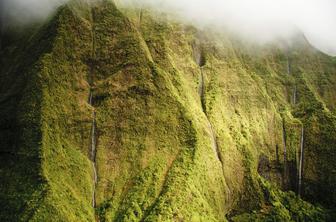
[[93, 153], [202, 90], [93, 136], [200, 60], [212, 132], [288, 65], [300, 172], [285, 152], [295, 95]]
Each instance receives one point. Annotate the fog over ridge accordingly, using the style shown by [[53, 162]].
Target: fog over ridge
[[260, 20]]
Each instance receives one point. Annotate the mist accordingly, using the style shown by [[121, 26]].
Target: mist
[[258, 20], [20, 12]]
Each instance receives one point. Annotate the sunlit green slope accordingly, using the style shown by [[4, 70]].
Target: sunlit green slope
[[179, 124]]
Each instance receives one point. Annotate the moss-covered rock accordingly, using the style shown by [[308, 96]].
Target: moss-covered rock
[[190, 125]]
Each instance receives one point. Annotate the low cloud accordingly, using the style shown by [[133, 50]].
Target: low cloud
[[258, 20], [27, 11]]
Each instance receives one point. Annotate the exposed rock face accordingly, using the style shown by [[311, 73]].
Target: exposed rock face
[[162, 150]]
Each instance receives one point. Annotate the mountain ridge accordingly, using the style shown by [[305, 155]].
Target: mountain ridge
[[155, 158]]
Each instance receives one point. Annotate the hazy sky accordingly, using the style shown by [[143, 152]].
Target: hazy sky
[[261, 20]]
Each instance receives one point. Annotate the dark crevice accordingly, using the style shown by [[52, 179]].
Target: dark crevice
[[264, 167]]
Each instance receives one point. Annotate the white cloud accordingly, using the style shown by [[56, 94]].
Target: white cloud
[[261, 20]]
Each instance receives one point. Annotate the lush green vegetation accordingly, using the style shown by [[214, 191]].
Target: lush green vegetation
[[281, 206], [155, 156]]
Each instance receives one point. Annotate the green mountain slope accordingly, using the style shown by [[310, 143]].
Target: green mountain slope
[[112, 114]]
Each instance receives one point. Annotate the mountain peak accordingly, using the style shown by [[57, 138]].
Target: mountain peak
[[112, 115]]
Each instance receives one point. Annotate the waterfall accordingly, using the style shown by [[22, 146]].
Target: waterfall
[[202, 91], [93, 153], [288, 65], [294, 95], [93, 159], [93, 141], [201, 62], [140, 16], [284, 153], [301, 163], [214, 142]]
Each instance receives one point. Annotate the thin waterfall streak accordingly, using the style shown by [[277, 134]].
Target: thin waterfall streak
[[93, 154], [213, 137], [214, 141], [200, 60], [284, 142], [90, 98], [210, 127], [294, 95], [284, 153], [301, 162], [202, 91], [93, 140], [201, 84], [93, 147], [288, 65]]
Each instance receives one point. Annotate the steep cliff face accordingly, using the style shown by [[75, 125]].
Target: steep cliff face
[[111, 114]]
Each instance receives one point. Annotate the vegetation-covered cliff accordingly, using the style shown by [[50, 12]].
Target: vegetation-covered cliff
[[113, 114]]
